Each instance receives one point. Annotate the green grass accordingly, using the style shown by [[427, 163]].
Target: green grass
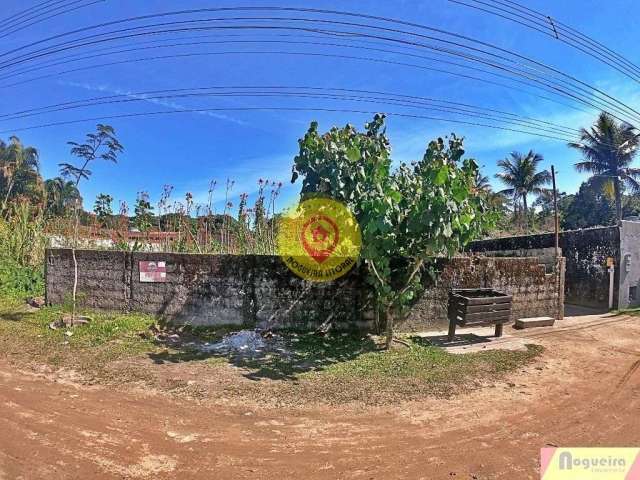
[[332, 369], [429, 363], [108, 336]]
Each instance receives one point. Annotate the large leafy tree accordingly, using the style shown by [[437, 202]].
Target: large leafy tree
[[589, 207], [522, 175], [408, 216], [19, 171], [608, 149], [61, 195]]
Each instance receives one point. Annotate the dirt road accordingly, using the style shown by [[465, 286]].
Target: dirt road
[[584, 391]]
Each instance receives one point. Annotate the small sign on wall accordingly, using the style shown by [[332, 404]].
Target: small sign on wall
[[153, 272]]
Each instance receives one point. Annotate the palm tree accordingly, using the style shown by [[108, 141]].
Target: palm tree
[[61, 194], [18, 165], [482, 183], [608, 150], [520, 173]]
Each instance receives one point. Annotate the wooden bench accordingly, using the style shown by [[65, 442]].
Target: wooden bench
[[478, 307]]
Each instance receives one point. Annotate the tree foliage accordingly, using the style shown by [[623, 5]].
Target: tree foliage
[[99, 145], [103, 208], [19, 172], [408, 215], [521, 174], [144, 212], [608, 149]]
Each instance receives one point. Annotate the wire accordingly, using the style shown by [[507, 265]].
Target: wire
[[603, 104], [315, 92], [294, 109], [475, 59], [37, 18], [570, 39], [566, 27], [66, 46], [559, 31], [312, 54], [30, 10]]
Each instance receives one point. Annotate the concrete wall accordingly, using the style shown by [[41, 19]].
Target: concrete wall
[[260, 290], [586, 252], [535, 292], [629, 278], [206, 289]]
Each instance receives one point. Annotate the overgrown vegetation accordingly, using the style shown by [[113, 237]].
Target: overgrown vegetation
[[22, 243], [118, 348]]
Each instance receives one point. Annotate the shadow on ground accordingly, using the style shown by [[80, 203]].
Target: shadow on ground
[[17, 316], [459, 340], [282, 357]]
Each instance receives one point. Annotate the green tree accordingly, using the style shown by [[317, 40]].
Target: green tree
[[19, 170], [589, 207], [482, 183], [60, 196], [407, 216], [103, 208], [143, 211], [608, 150], [99, 145], [520, 173]]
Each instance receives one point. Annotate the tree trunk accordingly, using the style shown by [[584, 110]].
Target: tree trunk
[[6, 197], [526, 212], [618, 194], [76, 228], [389, 318]]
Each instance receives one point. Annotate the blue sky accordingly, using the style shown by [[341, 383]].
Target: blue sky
[[188, 150]]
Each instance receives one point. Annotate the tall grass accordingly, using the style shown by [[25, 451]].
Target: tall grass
[[22, 244]]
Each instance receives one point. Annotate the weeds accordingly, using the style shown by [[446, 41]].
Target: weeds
[[22, 243]]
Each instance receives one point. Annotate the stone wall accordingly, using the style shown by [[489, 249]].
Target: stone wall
[[535, 292], [586, 252], [206, 289], [259, 290]]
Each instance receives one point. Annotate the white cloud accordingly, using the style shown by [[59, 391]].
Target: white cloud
[[148, 99]]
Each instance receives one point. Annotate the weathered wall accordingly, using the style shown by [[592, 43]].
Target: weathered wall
[[629, 289], [586, 252], [206, 289], [535, 292], [259, 290]]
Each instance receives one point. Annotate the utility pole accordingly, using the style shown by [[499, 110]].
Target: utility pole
[[555, 212], [559, 265]]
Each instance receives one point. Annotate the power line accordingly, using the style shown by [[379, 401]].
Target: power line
[[556, 31], [313, 54], [466, 57], [555, 87], [559, 31], [294, 109], [305, 92], [65, 46], [43, 16], [30, 10], [564, 26]]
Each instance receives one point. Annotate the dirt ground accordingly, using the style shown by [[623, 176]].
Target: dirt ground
[[583, 391]]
